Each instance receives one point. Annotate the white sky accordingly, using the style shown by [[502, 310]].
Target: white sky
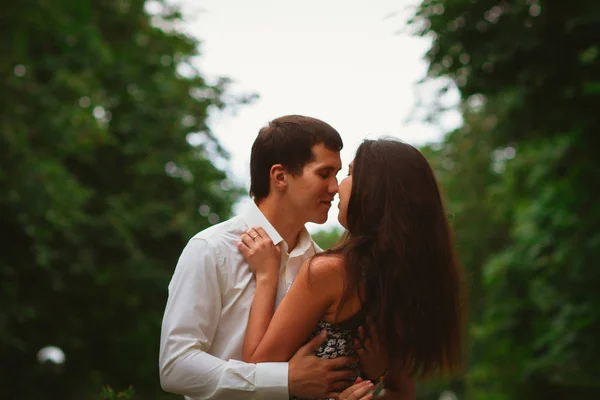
[[345, 62]]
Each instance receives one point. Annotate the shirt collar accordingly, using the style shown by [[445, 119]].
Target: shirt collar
[[254, 217], [304, 243]]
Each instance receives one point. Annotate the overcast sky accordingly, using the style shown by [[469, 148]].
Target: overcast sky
[[347, 62]]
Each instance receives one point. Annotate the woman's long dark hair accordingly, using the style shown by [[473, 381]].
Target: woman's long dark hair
[[399, 242]]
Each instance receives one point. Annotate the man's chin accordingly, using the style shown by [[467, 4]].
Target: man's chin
[[319, 220]]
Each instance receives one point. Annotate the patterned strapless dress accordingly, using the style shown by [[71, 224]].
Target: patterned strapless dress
[[340, 338]]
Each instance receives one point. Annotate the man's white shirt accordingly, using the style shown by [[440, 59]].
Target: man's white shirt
[[205, 320]]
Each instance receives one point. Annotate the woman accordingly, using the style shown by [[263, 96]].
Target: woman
[[396, 265]]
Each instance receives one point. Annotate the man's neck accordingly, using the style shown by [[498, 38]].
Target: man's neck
[[282, 220]]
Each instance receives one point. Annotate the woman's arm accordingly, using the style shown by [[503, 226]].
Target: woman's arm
[[261, 313], [264, 259], [275, 336], [398, 384], [372, 355]]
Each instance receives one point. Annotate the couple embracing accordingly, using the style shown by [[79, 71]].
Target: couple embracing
[[257, 311]]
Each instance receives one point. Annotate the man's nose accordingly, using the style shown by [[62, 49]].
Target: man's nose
[[333, 186]]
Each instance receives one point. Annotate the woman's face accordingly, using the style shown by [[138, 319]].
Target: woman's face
[[344, 190]]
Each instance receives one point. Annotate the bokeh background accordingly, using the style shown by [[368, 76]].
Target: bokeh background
[[120, 139]]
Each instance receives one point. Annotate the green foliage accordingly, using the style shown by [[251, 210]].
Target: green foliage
[[326, 239], [520, 178], [101, 187]]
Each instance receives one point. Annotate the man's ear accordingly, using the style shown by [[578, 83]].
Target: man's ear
[[278, 176]]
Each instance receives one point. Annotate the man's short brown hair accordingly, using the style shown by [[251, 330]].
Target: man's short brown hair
[[288, 141]]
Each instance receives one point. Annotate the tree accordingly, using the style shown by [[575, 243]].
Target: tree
[[106, 171], [533, 69], [327, 238]]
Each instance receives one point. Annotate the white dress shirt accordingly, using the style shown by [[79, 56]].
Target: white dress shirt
[[207, 311]]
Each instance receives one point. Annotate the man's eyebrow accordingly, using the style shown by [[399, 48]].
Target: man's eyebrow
[[328, 168]]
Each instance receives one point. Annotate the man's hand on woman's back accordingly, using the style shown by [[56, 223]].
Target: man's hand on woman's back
[[312, 377]]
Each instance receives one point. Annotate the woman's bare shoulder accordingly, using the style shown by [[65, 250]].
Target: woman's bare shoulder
[[325, 265]]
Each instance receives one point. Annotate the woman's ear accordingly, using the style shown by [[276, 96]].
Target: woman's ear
[[278, 176]]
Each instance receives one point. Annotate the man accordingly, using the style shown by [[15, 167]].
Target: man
[[293, 167]]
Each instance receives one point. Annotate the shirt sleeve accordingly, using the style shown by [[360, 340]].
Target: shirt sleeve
[[191, 317]]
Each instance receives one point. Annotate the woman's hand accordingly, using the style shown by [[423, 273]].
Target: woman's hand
[[262, 255], [361, 390], [373, 357]]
